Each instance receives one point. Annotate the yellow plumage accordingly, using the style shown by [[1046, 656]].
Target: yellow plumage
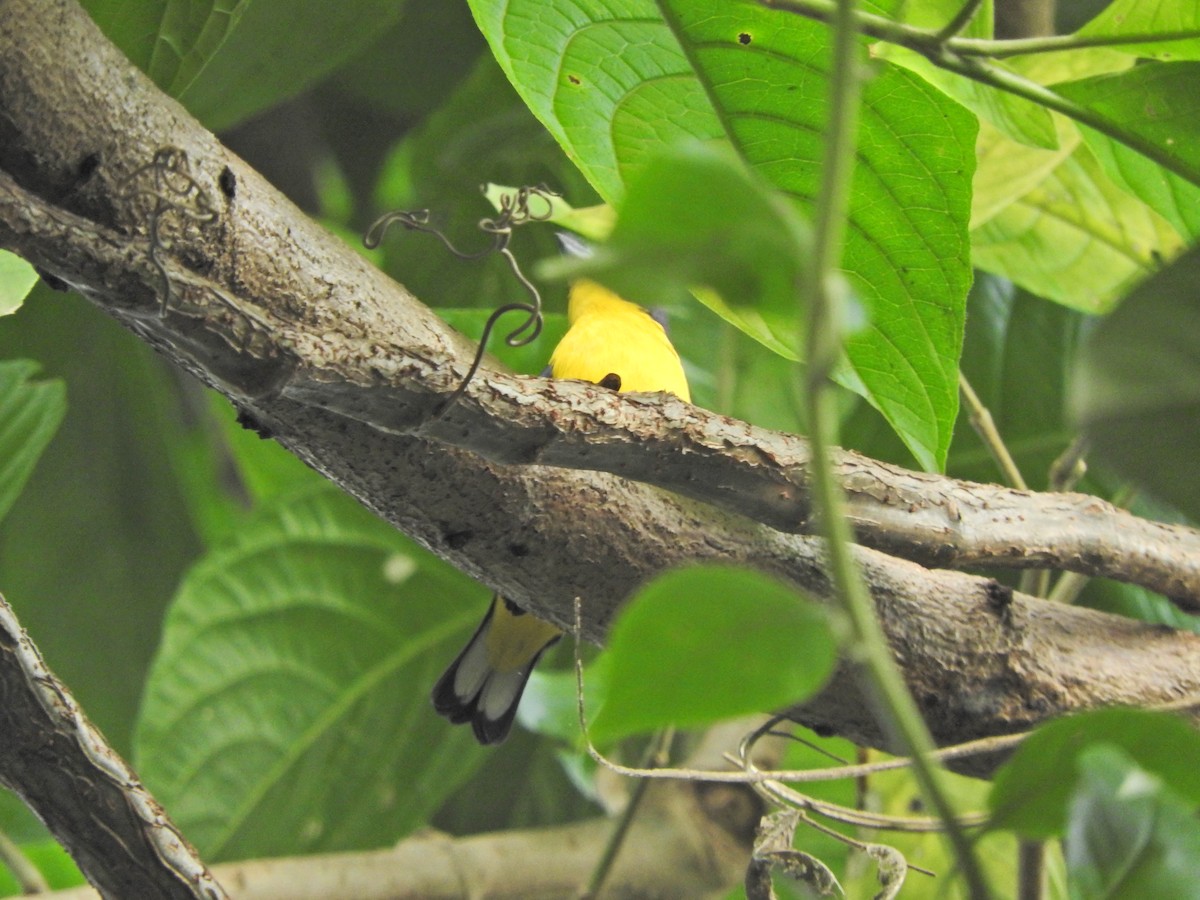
[[609, 341], [610, 336]]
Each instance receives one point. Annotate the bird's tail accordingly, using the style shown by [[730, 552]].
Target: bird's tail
[[485, 682]]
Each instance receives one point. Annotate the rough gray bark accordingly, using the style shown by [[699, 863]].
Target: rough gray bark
[[346, 368], [91, 801]]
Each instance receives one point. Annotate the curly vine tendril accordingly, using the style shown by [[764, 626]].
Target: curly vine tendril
[[515, 210]]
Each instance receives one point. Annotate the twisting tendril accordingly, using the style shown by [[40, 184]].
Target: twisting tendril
[[516, 210], [167, 181]]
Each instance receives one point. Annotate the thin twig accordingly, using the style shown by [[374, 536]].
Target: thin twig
[[1069, 467], [656, 756], [963, 57], [981, 420], [961, 20], [515, 210], [27, 875]]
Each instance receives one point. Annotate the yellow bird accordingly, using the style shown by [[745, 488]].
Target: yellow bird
[[610, 342]]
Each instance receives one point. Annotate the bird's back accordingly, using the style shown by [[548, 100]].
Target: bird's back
[[609, 337]]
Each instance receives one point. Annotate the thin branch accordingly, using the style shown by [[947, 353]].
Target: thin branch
[[985, 426], [657, 755], [1057, 43], [823, 292], [27, 875], [961, 20]]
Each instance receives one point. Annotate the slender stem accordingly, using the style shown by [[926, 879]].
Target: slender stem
[[823, 291], [948, 56], [961, 20], [727, 369], [1070, 466], [1055, 43], [920, 39], [25, 872], [657, 756], [1031, 870], [985, 426], [1033, 581]]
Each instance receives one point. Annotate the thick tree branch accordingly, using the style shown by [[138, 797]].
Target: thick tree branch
[[394, 381], [346, 369], [56, 760]]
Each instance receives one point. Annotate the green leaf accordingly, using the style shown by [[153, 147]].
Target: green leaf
[[1174, 198], [286, 710], [189, 36], [1156, 103], [17, 279], [1149, 17], [30, 413], [1007, 171], [757, 80], [1074, 237], [1137, 390], [707, 643], [1129, 834], [695, 218], [1022, 120], [227, 59], [1031, 792], [1135, 602], [170, 40]]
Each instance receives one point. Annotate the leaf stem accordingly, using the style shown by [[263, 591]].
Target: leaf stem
[[961, 20], [958, 55], [1053, 44], [824, 291], [985, 426]]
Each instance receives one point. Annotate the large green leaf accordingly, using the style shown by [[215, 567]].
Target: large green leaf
[[1022, 120], [1174, 198], [1074, 236], [616, 81], [286, 710], [1130, 834], [30, 413], [695, 218], [708, 643], [1150, 17], [1156, 103], [1137, 390], [1031, 792]]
